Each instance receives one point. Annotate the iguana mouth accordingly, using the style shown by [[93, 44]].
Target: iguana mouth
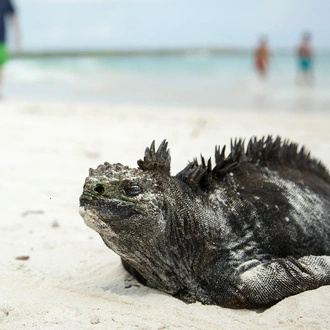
[[113, 209]]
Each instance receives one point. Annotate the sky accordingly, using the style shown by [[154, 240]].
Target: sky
[[131, 24]]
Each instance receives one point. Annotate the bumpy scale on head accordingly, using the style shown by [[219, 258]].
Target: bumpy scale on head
[[122, 204]]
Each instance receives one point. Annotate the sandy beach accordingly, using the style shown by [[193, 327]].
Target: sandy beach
[[56, 273]]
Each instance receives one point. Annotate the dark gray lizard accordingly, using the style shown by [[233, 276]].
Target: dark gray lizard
[[246, 233]]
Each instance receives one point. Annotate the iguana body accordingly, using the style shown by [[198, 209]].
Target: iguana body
[[245, 234]]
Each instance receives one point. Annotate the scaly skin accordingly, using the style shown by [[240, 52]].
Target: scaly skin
[[245, 234]]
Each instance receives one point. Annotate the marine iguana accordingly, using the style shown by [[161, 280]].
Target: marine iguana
[[246, 233]]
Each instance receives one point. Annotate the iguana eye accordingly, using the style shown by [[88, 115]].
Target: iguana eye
[[132, 189]]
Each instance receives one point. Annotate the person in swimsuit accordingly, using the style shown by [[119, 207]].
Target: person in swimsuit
[[7, 11], [261, 57], [304, 53]]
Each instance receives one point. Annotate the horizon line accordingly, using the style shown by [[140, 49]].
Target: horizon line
[[161, 51]]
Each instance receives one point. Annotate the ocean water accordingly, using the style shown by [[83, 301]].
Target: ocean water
[[193, 79]]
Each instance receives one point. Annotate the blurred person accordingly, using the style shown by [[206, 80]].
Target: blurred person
[[261, 57], [7, 13], [305, 54]]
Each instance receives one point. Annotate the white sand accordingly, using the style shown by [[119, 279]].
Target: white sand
[[71, 280]]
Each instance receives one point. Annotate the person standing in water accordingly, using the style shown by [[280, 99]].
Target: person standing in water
[[7, 11], [261, 56], [305, 54]]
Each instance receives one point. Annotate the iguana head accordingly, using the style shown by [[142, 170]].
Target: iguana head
[[146, 215], [125, 205]]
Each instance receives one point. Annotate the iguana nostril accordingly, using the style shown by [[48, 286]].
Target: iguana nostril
[[99, 188]]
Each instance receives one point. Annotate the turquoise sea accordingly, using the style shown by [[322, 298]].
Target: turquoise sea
[[197, 79]]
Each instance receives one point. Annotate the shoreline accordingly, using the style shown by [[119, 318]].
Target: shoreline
[[164, 51]]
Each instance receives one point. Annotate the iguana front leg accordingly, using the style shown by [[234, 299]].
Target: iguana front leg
[[263, 284]]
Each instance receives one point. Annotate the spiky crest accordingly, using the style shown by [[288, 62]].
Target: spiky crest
[[156, 160], [261, 152]]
